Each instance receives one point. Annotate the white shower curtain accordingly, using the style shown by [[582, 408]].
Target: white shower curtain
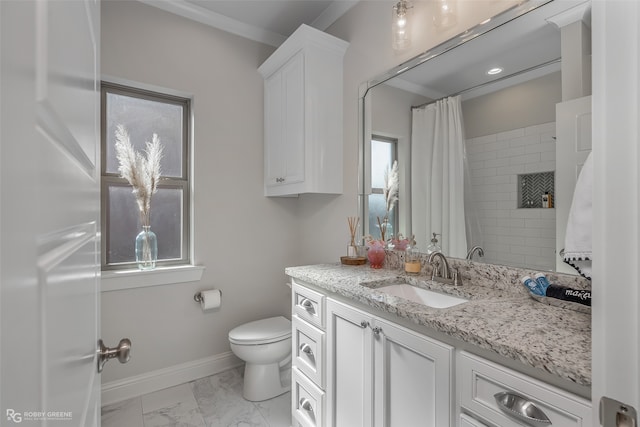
[[437, 175]]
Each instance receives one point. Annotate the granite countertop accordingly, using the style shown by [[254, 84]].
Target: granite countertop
[[496, 318]]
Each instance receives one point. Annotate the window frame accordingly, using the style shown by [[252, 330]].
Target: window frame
[[184, 182], [379, 190]]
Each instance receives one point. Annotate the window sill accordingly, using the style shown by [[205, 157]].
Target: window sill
[[116, 280]]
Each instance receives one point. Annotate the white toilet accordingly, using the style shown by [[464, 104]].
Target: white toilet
[[265, 346]]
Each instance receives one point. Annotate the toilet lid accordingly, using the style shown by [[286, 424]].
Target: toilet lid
[[261, 331]]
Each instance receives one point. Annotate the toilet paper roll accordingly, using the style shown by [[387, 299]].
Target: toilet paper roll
[[210, 299]]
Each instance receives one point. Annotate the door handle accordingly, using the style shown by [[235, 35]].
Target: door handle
[[122, 352]]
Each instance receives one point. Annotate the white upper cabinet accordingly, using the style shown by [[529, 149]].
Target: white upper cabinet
[[303, 115]]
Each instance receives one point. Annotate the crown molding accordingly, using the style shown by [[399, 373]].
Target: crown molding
[[216, 20], [332, 13]]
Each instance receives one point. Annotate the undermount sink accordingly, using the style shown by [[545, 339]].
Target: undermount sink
[[421, 296]]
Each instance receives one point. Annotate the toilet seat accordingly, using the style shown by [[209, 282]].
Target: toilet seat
[[263, 331]]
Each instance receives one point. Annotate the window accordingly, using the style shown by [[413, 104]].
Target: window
[[144, 113], [383, 153]]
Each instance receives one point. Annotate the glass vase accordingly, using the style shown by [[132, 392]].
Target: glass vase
[[376, 255], [146, 249]]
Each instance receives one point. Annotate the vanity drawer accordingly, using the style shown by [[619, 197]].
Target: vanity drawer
[[308, 305], [481, 380], [307, 401], [467, 421], [308, 350]]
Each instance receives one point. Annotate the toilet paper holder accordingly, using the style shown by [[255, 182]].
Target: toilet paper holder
[[198, 297]]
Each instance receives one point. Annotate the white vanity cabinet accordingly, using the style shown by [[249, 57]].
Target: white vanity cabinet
[[352, 368], [381, 374], [481, 382], [303, 115], [307, 355]]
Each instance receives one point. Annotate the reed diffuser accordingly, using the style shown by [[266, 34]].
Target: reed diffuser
[[352, 249]]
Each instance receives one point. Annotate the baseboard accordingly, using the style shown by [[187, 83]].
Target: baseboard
[[117, 391]]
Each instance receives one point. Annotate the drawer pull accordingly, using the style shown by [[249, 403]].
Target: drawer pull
[[307, 305], [521, 408], [306, 348], [306, 405]]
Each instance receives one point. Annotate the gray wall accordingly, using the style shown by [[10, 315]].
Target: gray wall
[[527, 104], [244, 239]]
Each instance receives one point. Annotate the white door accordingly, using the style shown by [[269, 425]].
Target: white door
[[49, 220], [573, 145], [412, 378], [616, 214], [349, 367]]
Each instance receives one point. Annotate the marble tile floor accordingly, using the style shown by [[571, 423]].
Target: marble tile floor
[[214, 401]]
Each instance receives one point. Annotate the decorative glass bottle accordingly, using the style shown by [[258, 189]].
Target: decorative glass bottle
[[412, 259], [146, 249], [434, 246]]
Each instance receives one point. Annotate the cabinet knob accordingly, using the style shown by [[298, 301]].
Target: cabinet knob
[[364, 324], [279, 179], [376, 330]]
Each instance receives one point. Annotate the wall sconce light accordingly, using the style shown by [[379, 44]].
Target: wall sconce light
[[401, 25]]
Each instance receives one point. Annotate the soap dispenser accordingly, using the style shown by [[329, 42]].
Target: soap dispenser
[[412, 258], [434, 246]]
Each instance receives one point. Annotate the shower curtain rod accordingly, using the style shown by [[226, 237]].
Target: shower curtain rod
[[517, 73]]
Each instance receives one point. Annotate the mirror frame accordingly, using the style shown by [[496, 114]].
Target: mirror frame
[[364, 102]]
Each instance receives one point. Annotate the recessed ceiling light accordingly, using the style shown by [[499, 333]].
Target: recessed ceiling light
[[493, 71]]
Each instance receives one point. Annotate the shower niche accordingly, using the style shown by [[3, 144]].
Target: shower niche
[[532, 188]]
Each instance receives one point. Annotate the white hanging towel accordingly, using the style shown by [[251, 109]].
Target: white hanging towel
[[577, 242]]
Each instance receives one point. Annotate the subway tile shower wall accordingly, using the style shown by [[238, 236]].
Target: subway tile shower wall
[[513, 236]]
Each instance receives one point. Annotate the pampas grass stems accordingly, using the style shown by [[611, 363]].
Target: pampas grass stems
[[143, 173]]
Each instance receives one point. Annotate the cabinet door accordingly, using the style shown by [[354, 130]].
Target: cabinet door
[[349, 367], [293, 88], [284, 124], [274, 167], [412, 378]]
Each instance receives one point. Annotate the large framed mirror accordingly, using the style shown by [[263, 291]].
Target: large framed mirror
[[505, 183]]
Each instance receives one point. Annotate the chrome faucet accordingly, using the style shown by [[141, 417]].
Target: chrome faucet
[[473, 250]]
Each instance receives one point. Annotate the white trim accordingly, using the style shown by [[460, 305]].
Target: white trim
[[117, 391], [216, 20], [302, 38], [615, 318], [332, 13], [108, 78], [116, 280], [575, 14]]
